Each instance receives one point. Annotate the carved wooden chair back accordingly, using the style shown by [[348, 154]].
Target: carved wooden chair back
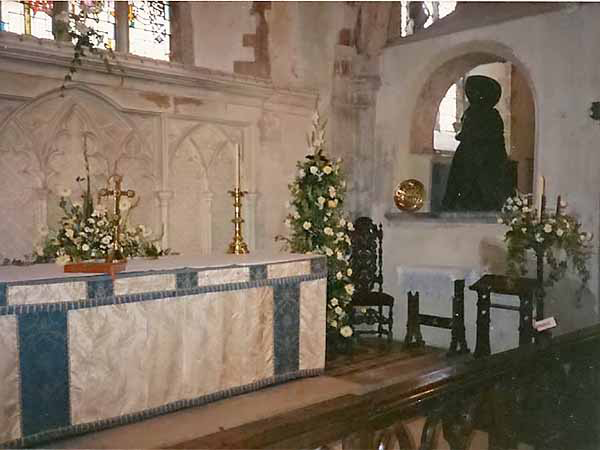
[[366, 262]]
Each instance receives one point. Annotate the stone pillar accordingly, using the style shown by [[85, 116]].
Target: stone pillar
[[60, 27], [122, 26], [206, 222], [164, 197]]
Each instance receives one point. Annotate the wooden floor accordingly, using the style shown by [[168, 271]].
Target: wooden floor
[[373, 364]]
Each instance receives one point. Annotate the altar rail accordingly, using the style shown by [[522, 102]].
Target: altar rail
[[544, 395], [84, 353]]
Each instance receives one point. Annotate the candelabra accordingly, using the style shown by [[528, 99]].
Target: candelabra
[[237, 245]]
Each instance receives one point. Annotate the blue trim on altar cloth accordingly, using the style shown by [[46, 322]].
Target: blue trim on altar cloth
[[318, 265], [186, 280], [74, 430], [44, 367], [3, 290], [147, 296], [100, 288], [286, 327], [258, 272]]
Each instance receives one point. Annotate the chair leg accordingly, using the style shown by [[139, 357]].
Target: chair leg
[[458, 343], [413, 326]]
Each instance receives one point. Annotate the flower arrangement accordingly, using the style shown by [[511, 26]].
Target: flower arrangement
[[83, 237], [318, 225], [557, 237]]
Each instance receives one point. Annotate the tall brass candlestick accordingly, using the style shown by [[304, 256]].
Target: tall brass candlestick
[[237, 245]]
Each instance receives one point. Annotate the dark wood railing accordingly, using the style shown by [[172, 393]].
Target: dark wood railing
[[545, 394]]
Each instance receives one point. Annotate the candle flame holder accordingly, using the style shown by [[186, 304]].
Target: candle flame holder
[[237, 245]]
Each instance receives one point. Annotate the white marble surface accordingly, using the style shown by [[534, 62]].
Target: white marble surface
[[45, 271]]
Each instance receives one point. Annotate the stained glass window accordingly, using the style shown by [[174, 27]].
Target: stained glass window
[[102, 19], [148, 22], [26, 18], [149, 29]]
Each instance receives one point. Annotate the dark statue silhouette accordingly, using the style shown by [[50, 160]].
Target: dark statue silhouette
[[479, 178]]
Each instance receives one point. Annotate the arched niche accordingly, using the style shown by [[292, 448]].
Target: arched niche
[[41, 152], [201, 172], [444, 71]]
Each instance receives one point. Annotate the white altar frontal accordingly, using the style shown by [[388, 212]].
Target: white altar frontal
[[82, 352]]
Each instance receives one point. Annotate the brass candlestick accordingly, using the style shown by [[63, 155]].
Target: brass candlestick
[[237, 245]]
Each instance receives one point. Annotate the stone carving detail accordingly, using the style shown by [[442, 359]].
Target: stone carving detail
[[41, 151], [203, 159]]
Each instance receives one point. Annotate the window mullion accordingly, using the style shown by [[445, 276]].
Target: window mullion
[[122, 26]]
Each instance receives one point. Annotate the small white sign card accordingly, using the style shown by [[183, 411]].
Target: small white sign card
[[545, 324]]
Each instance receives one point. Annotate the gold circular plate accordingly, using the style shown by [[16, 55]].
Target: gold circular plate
[[409, 195]]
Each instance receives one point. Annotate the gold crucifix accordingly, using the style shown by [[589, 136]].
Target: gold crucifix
[[117, 193]]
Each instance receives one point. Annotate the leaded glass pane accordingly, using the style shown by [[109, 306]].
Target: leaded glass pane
[[149, 29], [20, 18], [101, 17]]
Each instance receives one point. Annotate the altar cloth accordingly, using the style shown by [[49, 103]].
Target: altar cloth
[[82, 353]]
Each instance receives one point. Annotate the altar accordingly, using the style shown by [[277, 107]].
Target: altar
[[82, 352]]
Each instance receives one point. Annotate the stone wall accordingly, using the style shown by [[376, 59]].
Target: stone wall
[[169, 129], [555, 54]]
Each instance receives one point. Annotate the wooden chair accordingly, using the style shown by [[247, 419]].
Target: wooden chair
[[369, 300]]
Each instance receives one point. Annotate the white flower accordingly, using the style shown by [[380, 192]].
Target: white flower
[[349, 289], [306, 225], [301, 173], [334, 301], [548, 228], [525, 209], [321, 200], [65, 192], [509, 201], [349, 272], [332, 192], [85, 247], [346, 331], [524, 230], [538, 237], [327, 170], [334, 323], [339, 275], [559, 232], [518, 201], [514, 221], [350, 226], [340, 256], [342, 223], [328, 231], [288, 223], [499, 220], [39, 250], [332, 203], [106, 239], [328, 251], [91, 220], [314, 170], [63, 259], [339, 311], [70, 233]]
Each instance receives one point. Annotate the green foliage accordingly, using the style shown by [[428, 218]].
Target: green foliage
[[557, 237], [318, 226]]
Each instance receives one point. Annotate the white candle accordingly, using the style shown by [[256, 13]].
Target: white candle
[[237, 166], [540, 192]]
